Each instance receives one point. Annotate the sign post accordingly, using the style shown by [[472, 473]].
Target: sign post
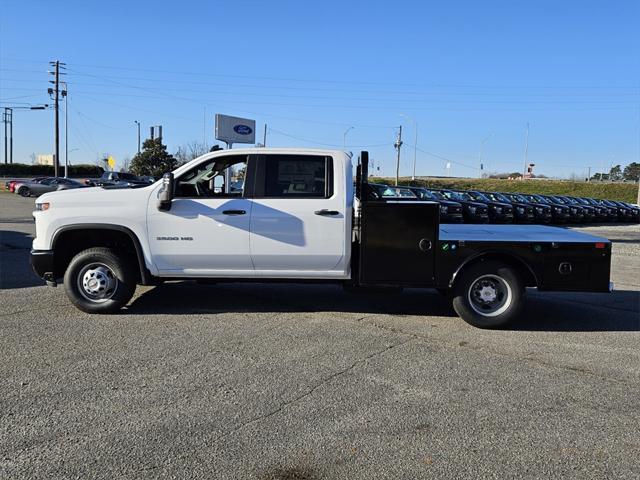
[[235, 130]]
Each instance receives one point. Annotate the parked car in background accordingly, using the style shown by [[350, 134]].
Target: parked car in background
[[635, 209], [542, 212], [498, 212], [450, 211], [576, 212], [625, 214], [610, 213], [49, 184], [472, 211], [121, 179], [379, 190], [600, 213], [559, 213], [589, 212], [11, 184], [522, 211]]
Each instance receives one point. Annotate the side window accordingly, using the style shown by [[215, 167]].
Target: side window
[[297, 176], [219, 177]]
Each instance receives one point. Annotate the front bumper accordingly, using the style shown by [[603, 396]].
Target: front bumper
[[42, 265]]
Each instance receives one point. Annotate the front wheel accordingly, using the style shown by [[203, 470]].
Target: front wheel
[[488, 295], [24, 192], [97, 280]]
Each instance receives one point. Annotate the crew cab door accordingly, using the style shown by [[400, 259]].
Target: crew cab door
[[298, 218], [206, 231]]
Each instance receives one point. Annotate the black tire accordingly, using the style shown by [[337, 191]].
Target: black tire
[[24, 192], [103, 272], [475, 287]]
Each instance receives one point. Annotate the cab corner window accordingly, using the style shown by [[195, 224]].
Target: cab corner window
[[298, 176]]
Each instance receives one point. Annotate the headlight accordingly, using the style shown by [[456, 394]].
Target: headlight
[[472, 209], [520, 209], [41, 207], [539, 209], [498, 209], [443, 209]]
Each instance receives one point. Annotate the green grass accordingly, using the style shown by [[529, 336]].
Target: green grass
[[626, 192]]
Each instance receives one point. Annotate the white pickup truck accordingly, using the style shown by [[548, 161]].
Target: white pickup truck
[[296, 215]]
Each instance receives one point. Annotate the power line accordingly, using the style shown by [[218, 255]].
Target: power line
[[273, 130]]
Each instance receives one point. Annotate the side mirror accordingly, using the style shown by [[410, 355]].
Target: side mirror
[[165, 195]]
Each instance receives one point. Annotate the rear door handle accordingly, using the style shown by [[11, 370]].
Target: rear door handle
[[233, 212], [326, 212]]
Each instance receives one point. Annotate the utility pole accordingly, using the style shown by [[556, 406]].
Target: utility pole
[[397, 145], [7, 119], [264, 137], [526, 152], [4, 120], [138, 124], [589, 175], [65, 94], [415, 143], [56, 97]]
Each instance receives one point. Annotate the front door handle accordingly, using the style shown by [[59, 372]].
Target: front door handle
[[326, 212], [233, 212]]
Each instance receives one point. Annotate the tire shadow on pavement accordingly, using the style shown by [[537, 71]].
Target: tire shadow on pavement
[[188, 298], [562, 312]]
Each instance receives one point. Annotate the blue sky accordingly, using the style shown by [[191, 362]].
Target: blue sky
[[462, 70]]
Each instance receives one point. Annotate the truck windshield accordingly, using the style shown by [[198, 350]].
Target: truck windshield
[[464, 196], [437, 195], [478, 196], [422, 193]]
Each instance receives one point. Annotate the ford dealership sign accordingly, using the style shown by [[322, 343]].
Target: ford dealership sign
[[235, 130], [243, 129]]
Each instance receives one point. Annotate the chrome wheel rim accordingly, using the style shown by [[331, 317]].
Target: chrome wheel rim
[[490, 295], [97, 282]]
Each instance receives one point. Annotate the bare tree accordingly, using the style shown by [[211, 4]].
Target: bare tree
[[189, 151]]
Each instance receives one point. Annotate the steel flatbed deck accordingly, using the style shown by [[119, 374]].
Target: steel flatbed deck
[[515, 233]]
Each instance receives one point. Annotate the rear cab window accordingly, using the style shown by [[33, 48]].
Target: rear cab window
[[294, 176]]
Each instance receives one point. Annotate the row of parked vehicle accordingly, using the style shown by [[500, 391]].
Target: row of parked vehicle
[[471, 206], [39, 185]]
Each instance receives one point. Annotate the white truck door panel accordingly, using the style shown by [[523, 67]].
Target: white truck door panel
[[288, 235], [298, 217], [203, 236]]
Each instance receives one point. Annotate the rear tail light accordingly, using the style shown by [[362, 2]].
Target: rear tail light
[[600, 245]]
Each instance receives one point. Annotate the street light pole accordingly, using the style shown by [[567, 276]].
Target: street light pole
[[415, 143], [344, 137], [138, 124], [480, 153]]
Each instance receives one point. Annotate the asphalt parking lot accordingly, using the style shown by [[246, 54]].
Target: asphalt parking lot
[[309, 382]]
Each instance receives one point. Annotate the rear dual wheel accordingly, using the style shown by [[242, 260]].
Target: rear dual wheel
[[488, 294]]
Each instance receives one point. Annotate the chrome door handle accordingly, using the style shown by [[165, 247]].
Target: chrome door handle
[[326, 212], [233, 212]]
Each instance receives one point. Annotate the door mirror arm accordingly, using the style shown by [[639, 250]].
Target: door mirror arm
[[165, 195]]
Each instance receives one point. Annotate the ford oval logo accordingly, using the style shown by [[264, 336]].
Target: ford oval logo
[[242, 129]]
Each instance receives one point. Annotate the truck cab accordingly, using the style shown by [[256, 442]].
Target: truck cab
[[294, 215]]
